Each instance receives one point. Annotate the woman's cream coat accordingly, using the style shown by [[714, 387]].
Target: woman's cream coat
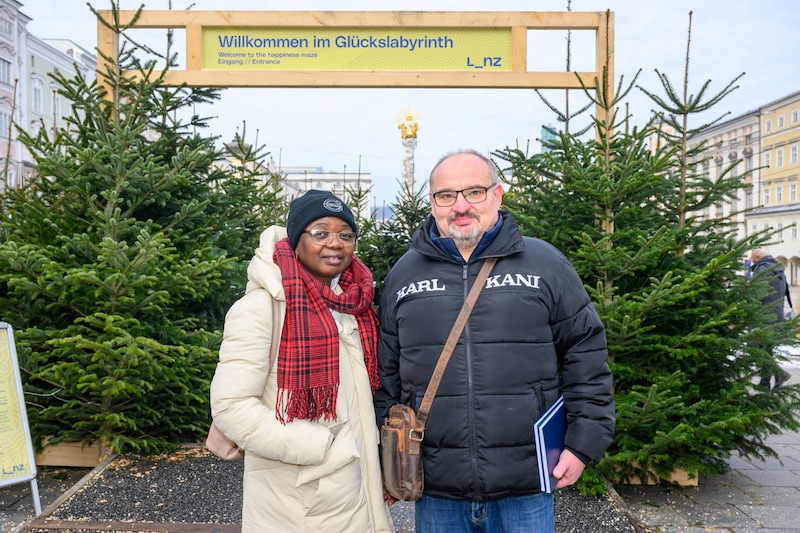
[[302, 476]]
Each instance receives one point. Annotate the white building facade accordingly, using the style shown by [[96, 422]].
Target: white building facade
[[731, 149], [28, 96], [297, 180]]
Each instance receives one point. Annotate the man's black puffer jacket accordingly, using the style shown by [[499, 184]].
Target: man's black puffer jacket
[[533, 324]]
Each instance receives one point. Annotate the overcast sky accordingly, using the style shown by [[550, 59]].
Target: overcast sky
[[356, 129]]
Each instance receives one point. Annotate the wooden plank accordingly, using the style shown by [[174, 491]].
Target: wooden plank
[[368, 78], [552, 20], [194, 46], [143, 527]]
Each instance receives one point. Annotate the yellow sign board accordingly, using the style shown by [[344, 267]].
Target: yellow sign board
[[354, 49], [16, 453]]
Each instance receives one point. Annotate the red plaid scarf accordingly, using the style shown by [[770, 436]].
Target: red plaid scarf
[[308, 353]]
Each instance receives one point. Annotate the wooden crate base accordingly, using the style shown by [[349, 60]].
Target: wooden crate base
[[71, 454], [680, 478]]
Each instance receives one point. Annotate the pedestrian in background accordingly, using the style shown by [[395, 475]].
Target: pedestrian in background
[[762, 263], [305, 420], [533, 335]]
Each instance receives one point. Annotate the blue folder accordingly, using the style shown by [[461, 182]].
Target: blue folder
[[548, 433]]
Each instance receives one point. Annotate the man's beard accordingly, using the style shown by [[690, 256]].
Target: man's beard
[[465, 239]]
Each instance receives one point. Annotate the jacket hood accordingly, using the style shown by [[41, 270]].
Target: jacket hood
[[262, 272]]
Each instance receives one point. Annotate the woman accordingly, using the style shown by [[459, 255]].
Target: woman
[[305, 419]]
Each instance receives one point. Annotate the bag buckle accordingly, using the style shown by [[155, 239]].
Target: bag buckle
[[413, 434]]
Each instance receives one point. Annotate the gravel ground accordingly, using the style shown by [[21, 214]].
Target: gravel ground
[[193, 486]]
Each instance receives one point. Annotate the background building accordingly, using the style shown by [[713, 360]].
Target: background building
[[28, 96], [779, 206], [731, 150], [762, 147], [294, 181], [300, 179]]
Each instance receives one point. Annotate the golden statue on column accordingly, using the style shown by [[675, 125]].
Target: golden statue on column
[[407, 124]]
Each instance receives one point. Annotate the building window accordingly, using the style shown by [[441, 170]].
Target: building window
[[780, 230], [780, 121], [56, 106], [794, 231], [795, 116], [5, 71], [766, 159], [5, 123], [766, 196], [36, 85], [779, 157], [793, 154], [6, 29], [793, 192], [779, 194], [748, 199], [768, 126], [748, 163]]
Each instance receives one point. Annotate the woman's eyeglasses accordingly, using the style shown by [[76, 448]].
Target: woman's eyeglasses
[[324, 237]]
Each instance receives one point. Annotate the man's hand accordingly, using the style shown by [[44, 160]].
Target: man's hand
[[568, 469]]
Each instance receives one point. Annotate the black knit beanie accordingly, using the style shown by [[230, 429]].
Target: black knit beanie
[[313, 205]]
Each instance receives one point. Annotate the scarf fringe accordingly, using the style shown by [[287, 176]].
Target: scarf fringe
[[309, 404]]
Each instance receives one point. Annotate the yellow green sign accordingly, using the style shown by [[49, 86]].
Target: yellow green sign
[[16, 451], [445, 49]]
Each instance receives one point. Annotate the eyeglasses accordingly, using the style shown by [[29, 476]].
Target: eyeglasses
[[473, 195], [324, 237]]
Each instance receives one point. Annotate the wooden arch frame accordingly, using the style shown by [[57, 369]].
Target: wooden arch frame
[[193, 22]]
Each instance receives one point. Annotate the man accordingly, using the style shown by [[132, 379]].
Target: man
[[532, 336], [764, 264]]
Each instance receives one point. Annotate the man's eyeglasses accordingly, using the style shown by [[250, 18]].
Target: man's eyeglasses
[[324, 237], [473, 195]]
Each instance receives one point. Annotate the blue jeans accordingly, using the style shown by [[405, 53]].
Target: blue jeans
[[518, 514]]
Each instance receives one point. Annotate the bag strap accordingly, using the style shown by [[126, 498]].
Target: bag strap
[[450, 345]]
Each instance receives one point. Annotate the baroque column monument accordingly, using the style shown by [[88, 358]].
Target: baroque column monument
[[407, 124]]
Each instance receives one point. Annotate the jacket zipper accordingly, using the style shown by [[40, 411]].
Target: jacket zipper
[[470, 392]]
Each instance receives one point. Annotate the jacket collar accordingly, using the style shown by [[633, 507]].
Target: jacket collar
[[503, 239]]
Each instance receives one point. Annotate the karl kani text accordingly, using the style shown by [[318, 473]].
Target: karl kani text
[[499, 280]]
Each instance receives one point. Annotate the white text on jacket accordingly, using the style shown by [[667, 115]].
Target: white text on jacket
[[499, 280]]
